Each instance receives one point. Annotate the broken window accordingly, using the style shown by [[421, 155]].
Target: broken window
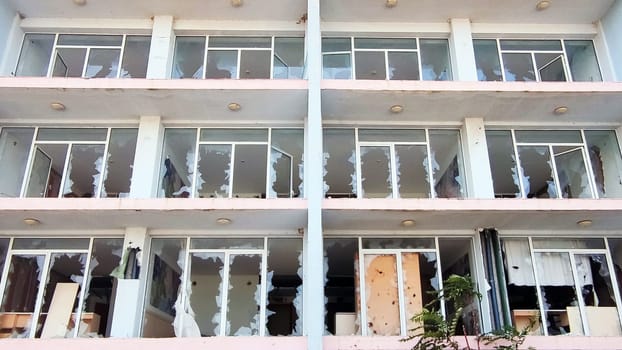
[[232, 163], [536, 60], [87, 56], [414, 163], [238, 57], [70, 162], [554, 164], [52, 290], [571, 278], [15, 145], [375, 285], [340, 171], [222, 287], [386, 58]]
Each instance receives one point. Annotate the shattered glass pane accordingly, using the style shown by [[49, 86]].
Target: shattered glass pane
[[571, 172], [284, 304], [35, 55], [178, 162], [447, 168], [20, 293], [487, 60], [376, 172], [412, 176], [244, 298], [286, 160], [340, 170], [103, 63], [435, 63], [84, 171], [606, 163], [120, 162], [206, 280], [382, 299], [46, 171], [340, 258], [537, 172], [249, 171], [214, 171], [14, 148], [188, 60], [582, 60], [135, 56], [502, 164]]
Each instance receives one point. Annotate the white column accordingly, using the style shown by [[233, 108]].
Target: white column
[[313, 295], [161, 51], [476, 161], [608, 45], [11, 35], [129, 293], [461, 50], [146, 169]]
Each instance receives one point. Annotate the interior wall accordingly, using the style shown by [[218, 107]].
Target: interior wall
[[612, 25]]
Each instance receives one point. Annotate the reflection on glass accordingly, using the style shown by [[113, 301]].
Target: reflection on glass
[[435, 61], [46, 171], [487, 60], [243, 304], [86, 163], [188, 60], [518, 67], [398, 243], [286, 163], [376, 172]]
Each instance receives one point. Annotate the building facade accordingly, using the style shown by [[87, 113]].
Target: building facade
[[240, 173]]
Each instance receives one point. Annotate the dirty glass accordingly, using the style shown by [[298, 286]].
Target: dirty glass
[[48, 165], [286, 163], [503, 164], [66, 269], [135, 57], [249, 171], [403, 65], [188, 59], [103, 63], [288, 58], [412, 178], [339, 163], [119, 163], [605, 161], [376, 181], [178, 162], [244, 302], [222, 64], [435, 63], [206, 274], [14, 149], [214, 171], [571, 172], [86, 163], [255, 64], [537, 179], [35, 55], [20, 293], [447, 169], [582, 60], [284, 287], [370, 65], [487, 60], [69, 62], [382, 297]]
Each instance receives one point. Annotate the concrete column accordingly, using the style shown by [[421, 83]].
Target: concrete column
[[161, 51], [461, 50], [129, 293], [11, 34], [476, 161], [313, 295], [608, 44], [146, 174]]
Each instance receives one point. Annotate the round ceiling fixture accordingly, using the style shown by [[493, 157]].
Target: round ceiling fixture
[[31, 221], [408, 223], [396, 109], [543, 5], [57, 106], [560, 110], [585, 223], [233, 106], [390, 3], [79, 2], [223, 221]]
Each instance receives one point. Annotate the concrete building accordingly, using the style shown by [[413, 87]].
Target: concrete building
[[298, 174]]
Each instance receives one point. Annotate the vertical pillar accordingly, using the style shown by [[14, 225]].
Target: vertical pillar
[[11, 35], [129, 293], [313, 295], [607, 43], [477, 163], [161, 51], [146, 169], [461, 50]]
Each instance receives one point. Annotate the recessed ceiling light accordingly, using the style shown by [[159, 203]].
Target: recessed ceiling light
[[79, 2], [396, 109], [234, 106], [223, 221], [57, 106], [236, 3], [584, 223], [31, 221], [543, 5], [560, 110], [408, 223], [390, 3]]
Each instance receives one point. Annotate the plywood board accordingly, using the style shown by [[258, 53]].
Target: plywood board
[[413, 297], [383, 315], [60, 310]]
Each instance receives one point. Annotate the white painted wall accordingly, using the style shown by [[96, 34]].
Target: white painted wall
[[10, 37], [612, 27]]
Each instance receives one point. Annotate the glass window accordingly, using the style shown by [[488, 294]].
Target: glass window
[[188, 59], [582, 60], [339, 163], [15, 146], [487, 60], [435, 60], [134, 54], [34, 58], [288, 58]]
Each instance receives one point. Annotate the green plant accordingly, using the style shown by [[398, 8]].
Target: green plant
[[434, 332], [508, 337]]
